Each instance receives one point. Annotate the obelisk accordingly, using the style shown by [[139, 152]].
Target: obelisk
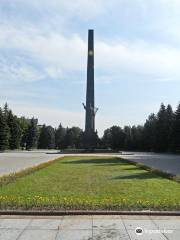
[[89, 107]]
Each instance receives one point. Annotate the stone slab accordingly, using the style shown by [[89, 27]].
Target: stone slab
[[74, 235], [108, 222], [38, 235], [45, 224], [79, 222]]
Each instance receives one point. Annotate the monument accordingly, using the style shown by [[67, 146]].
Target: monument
[[90, 106]]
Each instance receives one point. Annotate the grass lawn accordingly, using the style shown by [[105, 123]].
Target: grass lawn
[[91, 183]]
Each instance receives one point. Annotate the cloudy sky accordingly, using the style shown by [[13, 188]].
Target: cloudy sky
[[43, 57]]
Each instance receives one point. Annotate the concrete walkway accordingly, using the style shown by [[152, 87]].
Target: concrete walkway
[[165, 162], [89, 227], [15, 161]]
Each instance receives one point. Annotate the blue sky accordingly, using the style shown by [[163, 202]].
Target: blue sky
[[43, 55]]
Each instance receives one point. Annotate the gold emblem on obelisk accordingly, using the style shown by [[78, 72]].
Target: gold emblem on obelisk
[[90, 53]]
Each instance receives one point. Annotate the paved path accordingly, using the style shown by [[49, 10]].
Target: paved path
[[15, 161], [165, 162], [89, 228]]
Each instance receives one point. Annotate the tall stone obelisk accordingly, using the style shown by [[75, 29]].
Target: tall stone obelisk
[[89, 107]]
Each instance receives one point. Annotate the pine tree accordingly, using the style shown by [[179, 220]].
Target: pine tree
[[51, 137], [46, 138], [32, 135], [4, 133], [149, 137], [60, 134], [6, 111], [137, 138], [14, 130], [176, 131], [42, 142], [128, 138], [162, 131], [24, 123], [169, 126]]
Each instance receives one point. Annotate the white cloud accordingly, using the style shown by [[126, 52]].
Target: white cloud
[[52, 49], [81, 8], [54, 72], [59, 55], [139, 58], [15, 72]]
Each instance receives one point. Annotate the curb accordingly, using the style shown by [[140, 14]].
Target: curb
[[79, 212]]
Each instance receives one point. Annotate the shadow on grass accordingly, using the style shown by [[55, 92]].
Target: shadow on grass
[[101, 162], [132, 168], [143, 175]]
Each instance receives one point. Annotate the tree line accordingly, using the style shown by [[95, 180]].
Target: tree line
[[23, 133], [160, 133]]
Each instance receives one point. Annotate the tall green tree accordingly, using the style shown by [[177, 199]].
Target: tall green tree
[[4, 132], [149, 135], [60, 134], [107, 138], [114, 137], [73, 137], [32, 134], [169, 126], [46, 138], [176, 130], [137, 133], [6, 111], [128, 138], [161, 130], [24, 124], [14, 131]]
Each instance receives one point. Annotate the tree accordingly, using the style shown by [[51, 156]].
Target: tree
[[169, 126], [6, 111], [32, 134], [114, 138], [14, 131], [60, 134], [176, 130], [43, 138], [149, 135], [73, 137], [24, 124], [128, 139], [46, 138], [164, 117], [51, 137], [107, 138], [137, 142], [4, 132]]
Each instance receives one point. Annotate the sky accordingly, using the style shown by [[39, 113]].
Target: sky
[[43, 59]]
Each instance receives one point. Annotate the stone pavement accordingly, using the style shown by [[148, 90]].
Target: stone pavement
[[14, 161], [165, 162], [89, 227]]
